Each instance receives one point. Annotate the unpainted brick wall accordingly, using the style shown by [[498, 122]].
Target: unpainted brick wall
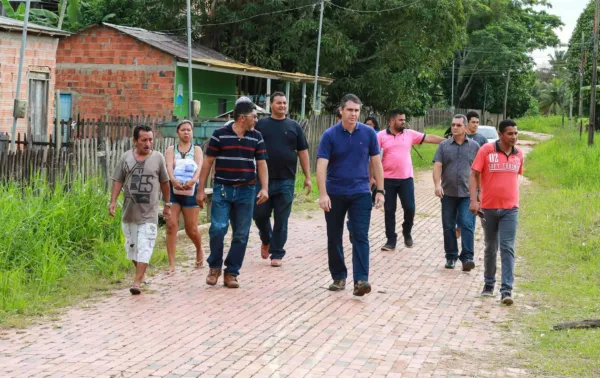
[[40, 55], [110, 73]]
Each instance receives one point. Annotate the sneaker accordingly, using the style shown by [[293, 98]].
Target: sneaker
[[361, 288], [213, 276], [388, 246], [507, 298], [468, 265], [230, 281], [488, 291], [338, 285], [276, 263], [450, 264], [264, 251], [408, 242]]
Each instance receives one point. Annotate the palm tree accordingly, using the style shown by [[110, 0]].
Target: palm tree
[[552, 96], [558, 62]]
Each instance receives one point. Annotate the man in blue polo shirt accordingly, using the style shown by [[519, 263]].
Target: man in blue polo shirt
[[343, 180], [234, 149]]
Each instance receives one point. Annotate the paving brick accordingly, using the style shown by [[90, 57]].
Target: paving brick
[[420, 319]]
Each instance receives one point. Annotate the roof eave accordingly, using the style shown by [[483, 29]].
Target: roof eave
[[257, 72], [49, 33]]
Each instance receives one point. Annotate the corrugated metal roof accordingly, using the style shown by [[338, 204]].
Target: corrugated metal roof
[[177, 46], [12, 24]]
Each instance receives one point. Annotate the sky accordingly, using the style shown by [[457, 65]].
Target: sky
[[569, 11]]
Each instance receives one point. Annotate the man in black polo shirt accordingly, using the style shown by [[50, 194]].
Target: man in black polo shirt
[[234, 149], [285, 144]]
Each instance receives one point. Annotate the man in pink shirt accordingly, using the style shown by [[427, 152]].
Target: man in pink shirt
[[396, 142]]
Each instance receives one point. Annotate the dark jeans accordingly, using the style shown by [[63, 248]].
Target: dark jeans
[[405, 190], [500, 229], [456, 210], [358, 207], [281, 196], [373, 193], [235, 204]]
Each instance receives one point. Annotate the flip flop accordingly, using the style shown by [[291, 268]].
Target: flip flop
[[135, 290]]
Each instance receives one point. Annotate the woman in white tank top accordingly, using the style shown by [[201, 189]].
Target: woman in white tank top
[[184, 161]]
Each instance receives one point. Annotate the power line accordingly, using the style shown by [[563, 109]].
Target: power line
[[247, 18], [373, 11]]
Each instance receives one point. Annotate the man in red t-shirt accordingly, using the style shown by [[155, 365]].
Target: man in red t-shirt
[[498, 166]]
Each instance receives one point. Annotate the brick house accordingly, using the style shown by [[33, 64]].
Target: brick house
[[109, 69], [38, 76]]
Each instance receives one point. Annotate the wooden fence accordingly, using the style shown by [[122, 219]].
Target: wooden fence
[[86, 159], [90, 148]]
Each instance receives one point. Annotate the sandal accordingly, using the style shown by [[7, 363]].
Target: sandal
[[135, 290], [199, 264]]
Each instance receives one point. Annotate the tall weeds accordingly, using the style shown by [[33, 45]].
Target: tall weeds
[[53, 241]]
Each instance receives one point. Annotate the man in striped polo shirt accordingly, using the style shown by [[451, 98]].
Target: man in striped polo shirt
[[234, 149]]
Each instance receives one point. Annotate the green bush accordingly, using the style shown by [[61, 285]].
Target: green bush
[[53, 241]]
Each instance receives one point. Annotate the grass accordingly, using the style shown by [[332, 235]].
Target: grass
[[56, 246], [424, 162], [558, 244], [542, 124], [301, 200]]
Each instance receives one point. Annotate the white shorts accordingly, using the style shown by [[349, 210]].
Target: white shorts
[[139, 240]]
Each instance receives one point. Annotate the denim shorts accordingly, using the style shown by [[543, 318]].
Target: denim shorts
[[185, 202]]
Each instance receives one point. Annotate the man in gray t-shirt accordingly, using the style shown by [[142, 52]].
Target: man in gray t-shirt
[[451, 172], [142, 174], [472, 125]]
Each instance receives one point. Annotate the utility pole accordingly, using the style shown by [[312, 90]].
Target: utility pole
[[189, 41], [318, 53], [506, 92], [581, 76], [484, 101], [592, 124], [63, 8], [20, 73], [452, 98], [571, 112]]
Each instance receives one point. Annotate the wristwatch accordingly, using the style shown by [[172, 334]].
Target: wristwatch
[[382, 191], [168, 204]]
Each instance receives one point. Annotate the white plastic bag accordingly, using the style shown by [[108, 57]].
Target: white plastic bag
[[184, 171]]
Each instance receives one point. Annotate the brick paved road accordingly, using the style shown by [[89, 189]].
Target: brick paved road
[[420, 320]]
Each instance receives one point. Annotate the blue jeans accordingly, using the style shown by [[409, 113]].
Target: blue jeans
[[456, 210], [405, 190], [500, 229], [235, 204], [358, 207], [281, 197]]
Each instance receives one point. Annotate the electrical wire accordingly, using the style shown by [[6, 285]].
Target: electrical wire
[[247, 18], [374, 11]]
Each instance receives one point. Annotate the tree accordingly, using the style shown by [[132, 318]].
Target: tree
[[552, 97], [388, 58], [501, 33], [585, 25], [46, 17], [558, 61]]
